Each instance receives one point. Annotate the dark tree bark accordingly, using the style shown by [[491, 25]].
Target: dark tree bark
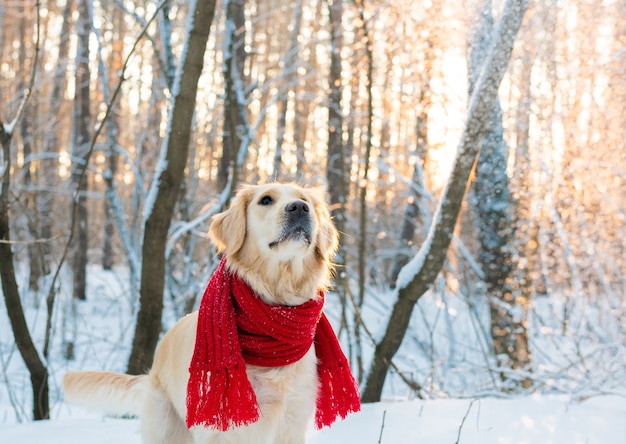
[[26, 131], [80, 149], [169, 180], [108, 256], [49, 170], [336, 166], [35, 365], [419, 274], [234, 59], [363, 213], [28, 351], [336, 162]]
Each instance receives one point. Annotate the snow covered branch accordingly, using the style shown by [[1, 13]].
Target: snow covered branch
[[419, 274]]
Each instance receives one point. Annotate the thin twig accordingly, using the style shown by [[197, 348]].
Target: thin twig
[[382, 426], [469, 407]]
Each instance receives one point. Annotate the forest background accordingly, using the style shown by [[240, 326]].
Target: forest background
[[125, 125]]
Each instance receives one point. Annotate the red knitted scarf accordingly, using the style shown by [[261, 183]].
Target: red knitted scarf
[[236, 327]]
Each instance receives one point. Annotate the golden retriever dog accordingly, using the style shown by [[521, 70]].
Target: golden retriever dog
[[279, 238]]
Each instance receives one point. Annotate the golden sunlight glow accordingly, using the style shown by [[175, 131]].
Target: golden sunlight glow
[[65, 164], [446, 117]]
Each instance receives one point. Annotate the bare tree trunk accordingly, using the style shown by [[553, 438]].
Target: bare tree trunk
[[166, 188], [35, 365], [80, 148], [363, 213], [290, 66], [165, 30], [35, 256], [234, 59], [419, 274], [495, 230], [336, 168], [305, 86], [108, 257], [526, 227], [49, 170], [494, 224]]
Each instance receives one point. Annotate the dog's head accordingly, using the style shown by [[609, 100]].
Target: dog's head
[[279, 238]]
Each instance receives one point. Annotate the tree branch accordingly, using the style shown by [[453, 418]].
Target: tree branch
[[418, 275]]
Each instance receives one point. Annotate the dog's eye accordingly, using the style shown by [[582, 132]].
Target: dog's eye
[[266, 200]]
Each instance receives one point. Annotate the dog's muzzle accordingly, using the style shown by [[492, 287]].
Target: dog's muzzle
[[297, 223]]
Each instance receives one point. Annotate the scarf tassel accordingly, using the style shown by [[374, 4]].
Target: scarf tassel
[[224, 399], [338, 394]]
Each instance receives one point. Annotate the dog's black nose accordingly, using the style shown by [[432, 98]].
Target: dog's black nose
[[297, 207]]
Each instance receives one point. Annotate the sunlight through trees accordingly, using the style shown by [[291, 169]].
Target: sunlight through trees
[[368, 99]]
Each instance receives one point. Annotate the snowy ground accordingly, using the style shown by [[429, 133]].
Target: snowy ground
[[528, 420], [102, 333]]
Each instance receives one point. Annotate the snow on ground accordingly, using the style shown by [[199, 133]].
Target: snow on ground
[[526, 420], [102, 330]]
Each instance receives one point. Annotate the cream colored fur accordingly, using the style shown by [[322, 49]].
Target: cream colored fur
[[287, 273]]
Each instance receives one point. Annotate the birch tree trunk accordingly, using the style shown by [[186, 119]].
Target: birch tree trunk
[[419, 274], [494, 224], [166, 188]]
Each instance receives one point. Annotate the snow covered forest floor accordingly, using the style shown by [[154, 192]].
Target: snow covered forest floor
[[578, 395], [523, 420]]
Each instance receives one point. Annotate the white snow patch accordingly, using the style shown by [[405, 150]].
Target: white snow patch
[[524, 420]]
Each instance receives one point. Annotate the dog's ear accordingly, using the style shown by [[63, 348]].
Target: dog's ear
[[228, 229], [327, 236]]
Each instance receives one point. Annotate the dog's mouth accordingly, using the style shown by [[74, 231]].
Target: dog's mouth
[[297, 232]]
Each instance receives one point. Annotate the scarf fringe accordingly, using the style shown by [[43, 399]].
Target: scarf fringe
[[224, 399], [338, 394]]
